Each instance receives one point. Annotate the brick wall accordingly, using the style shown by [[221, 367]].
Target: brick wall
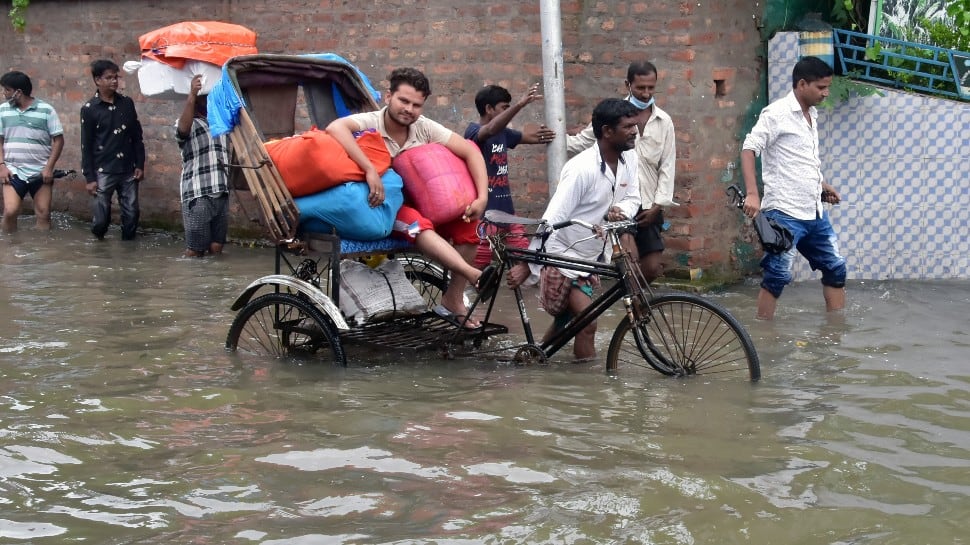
[[461, 46]]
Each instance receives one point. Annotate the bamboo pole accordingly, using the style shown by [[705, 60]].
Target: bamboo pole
[[276, 205]]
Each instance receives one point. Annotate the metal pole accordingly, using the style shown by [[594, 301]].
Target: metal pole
[[553, 88]]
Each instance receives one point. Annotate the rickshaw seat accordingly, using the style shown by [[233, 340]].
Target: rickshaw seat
[[273, 108]]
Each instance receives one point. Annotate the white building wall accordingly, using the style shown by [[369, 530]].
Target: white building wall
[[902, 165]]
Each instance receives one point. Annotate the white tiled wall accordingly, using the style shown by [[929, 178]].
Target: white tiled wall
[[902, 165]]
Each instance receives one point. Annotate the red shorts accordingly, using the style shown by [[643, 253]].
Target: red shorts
[[514, 239], [409, 223]]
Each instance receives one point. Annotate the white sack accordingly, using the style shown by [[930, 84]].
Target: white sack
[[368, 295], [159, 80]]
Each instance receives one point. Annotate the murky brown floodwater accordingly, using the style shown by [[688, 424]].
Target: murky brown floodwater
[[123, 420]]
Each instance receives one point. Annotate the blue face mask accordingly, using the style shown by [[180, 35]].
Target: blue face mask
[[640, 105]]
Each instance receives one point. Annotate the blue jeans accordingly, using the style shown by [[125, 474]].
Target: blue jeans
[[814, 239], [127, 187]]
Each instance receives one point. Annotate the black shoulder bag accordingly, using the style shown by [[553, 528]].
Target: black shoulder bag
[[774, 238]]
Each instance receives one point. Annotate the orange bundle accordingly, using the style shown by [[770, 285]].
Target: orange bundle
[[209, 41], [313, 161]]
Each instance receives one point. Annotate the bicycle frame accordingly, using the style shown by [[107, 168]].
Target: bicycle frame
[[621, 270]]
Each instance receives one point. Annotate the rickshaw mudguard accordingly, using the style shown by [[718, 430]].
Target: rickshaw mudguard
[[318, 298]]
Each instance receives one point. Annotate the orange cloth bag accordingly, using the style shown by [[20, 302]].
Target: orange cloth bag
[[313, 161]]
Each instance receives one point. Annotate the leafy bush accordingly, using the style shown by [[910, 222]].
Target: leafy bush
[[850, 14], [845, 87], [16, 14], [960, 11]]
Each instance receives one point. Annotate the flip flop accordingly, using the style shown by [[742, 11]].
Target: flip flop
[[470, 324], [487, 283]]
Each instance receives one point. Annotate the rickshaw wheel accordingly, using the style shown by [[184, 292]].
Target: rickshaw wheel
[[283, 326], [427, 278]]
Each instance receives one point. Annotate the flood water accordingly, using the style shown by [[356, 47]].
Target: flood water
[[123, 420]]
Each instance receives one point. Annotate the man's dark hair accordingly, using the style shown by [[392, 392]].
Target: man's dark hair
[[100, 66], [491, 95], [410, 76], [609, 113], [18, 81], [810, 69], [639, 68]]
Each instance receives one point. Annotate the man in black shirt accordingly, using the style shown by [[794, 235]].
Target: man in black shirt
[[112, 151]]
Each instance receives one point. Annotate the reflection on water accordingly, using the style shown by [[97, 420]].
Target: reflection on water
[[123, 420]]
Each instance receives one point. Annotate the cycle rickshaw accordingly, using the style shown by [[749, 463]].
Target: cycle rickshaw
[[294, 312]]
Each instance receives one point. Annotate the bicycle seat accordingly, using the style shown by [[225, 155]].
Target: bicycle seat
[[504, 218]]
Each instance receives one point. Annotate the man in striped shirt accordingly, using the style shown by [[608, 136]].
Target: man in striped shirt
[[31, 140], [205, 177]]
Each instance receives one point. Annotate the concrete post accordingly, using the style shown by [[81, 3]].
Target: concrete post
[[553, 88]]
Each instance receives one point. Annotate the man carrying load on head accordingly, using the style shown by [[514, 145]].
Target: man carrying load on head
[[402, 127]]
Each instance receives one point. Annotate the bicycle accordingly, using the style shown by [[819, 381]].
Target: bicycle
[[677, 334]]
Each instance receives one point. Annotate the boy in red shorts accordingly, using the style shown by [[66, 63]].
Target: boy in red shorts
[[495, 139]]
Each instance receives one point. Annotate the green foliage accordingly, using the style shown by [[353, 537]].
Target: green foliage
[[844, 87], [914, 66], [948, 35], [902, 19], [850, 14], [16, 14], [959, 10]]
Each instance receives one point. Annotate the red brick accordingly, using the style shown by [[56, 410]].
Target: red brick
[[678, 24], [460, 46], [682, 55]]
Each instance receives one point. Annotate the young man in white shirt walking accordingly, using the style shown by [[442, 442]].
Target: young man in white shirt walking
[[786, 138]]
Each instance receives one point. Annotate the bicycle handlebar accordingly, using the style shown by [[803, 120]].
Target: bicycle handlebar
[[503, 218], [544, 228], [58, 173], [608, 226], [736, 195]]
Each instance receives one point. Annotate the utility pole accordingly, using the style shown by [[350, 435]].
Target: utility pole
[[553, 88]]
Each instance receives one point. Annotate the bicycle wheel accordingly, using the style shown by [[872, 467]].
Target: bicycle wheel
[[685, 335], [282, 325], [427, 278]]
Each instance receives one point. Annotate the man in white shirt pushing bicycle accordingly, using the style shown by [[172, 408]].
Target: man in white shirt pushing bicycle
[[599, 184]]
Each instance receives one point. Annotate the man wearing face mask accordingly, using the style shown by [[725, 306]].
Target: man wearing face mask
[[31, 140], [656, 157]]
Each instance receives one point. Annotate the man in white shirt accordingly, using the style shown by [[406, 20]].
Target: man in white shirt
[[596, 185], [786, 138], [657, 155]]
